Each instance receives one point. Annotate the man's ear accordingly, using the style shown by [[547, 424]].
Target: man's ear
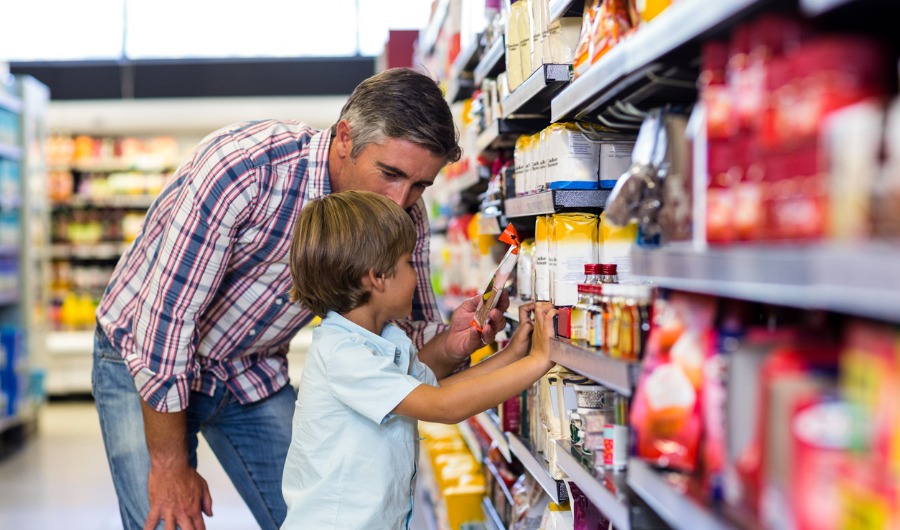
[[343, 141]]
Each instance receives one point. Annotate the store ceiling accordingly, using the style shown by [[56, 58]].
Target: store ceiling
[[89, 80]]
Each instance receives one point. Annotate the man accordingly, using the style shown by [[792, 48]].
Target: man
[[194, 327]]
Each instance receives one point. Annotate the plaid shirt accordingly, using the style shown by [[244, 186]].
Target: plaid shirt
[[202, 293]]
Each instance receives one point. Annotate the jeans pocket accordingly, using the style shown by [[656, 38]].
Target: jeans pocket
[[103, 348]]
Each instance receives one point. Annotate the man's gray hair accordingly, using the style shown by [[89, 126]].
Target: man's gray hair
[[403, 104]]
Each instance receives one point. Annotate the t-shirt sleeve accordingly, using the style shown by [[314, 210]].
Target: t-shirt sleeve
[[368, 383]]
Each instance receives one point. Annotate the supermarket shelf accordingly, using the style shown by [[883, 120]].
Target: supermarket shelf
[[99, 251], [512, 312], [428, 37], [10, 152], [684, 22], [612, 373], [537, 468], [856, 279], [491, 518], [10, 102], [547, 202], [488, 422], [9, 251], [9, 298], [561, 8], [491, 62], [70, 342], [459, 89], [605, 491], [115, 201], [676, 508], [467, 59], [820, 7], [503, 133], [535, 94], [471, 440]]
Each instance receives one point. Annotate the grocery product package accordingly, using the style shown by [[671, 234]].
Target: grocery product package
[[572, 159], [665, 412], [525, 270], [614, 21], [885, 212], [491, 294], [562, 40], [582, 56], [513, 37], [542, 228], [660, 150], [521, 164], [526, 22], [573, 243], [615, 246], [538, 26]]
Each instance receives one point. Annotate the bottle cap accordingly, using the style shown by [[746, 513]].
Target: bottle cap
[[591, 268], [608, 268]]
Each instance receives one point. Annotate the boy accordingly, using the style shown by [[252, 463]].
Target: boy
[[352, 458]]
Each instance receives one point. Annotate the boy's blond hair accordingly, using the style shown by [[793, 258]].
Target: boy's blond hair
[[337, 240]]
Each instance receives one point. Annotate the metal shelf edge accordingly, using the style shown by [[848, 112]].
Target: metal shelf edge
[[546, 76], [493, 521], [558, 8], [471, 442], [671, 505], [534, 466], [10, 102], [814, 8], [489, 60], [603, 499], [495, 433], [429, 36], [615, 374]]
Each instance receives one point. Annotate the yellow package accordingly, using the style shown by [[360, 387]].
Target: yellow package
[[615, 246], [573, 243], [542, 258]]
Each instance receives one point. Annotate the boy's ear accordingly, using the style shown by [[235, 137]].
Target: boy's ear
[[372, 281]]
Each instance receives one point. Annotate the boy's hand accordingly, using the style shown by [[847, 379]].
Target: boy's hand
[[520, 342], [543, 332]]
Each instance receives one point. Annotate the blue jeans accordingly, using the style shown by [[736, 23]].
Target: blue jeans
[[250, 441]]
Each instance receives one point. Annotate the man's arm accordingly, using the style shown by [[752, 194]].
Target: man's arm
[[177, 492], [449, 350]]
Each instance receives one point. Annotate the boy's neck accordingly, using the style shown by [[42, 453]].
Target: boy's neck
[[367, 317]]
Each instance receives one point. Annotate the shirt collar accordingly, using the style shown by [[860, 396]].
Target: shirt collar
[[391, 339], [319, 183]]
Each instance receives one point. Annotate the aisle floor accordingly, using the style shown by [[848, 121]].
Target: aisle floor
[[60, 479]]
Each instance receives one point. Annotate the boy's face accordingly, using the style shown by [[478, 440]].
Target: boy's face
[[399, 289], [398, 169]]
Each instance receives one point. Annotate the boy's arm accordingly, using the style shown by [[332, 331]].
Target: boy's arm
[[491, 385]]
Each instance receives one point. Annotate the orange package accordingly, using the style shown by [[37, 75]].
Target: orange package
[[583, 50], [615, 19]]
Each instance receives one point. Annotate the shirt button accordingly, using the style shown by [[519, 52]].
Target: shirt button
[[279, 301], [252, 332]]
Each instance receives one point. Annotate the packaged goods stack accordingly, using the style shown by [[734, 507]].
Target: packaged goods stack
[[23, 242], [734, 164], [99, 189]]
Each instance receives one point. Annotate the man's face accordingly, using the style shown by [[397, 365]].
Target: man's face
[[398, 169]]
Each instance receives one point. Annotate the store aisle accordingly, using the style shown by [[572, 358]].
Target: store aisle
[[60, 478]]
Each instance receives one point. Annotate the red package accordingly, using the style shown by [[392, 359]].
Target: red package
[[665, 411]]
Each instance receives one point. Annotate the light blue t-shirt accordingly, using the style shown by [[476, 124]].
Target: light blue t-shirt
[[352, 463]]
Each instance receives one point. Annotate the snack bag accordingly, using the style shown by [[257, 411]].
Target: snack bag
[[491, 294]]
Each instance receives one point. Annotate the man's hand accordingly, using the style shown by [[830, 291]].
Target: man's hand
[[177, 496], [463, 338]]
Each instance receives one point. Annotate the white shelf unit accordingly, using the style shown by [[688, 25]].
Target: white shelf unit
[[671, 503], [596, 486], [859, 280], [537, 468]]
